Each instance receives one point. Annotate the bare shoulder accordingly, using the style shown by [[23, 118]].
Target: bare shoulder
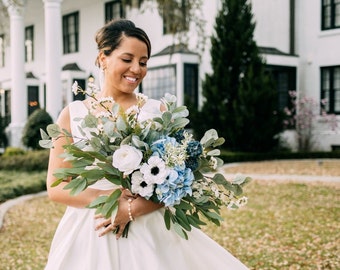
[[64, 118]]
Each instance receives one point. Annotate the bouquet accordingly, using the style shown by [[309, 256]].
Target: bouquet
[[155, 158]]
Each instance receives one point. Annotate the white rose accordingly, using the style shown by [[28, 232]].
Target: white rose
[[127, 159]]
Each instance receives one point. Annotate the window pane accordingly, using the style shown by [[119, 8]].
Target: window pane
[[337, 89], [325, 88], [29, 44], [70, 33], [191, 84], [2, 50], [113, 10], [337, 13], [160, 81]]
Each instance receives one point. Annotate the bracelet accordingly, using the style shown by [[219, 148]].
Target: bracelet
[[129, 209]]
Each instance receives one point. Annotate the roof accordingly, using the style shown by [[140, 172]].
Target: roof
[[272, 50], [72, 67], [175, 48]]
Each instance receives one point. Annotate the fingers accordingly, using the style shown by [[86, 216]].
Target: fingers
[[107, 226], [103, 224]]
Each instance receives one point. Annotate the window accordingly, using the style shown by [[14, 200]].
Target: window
[[191, 84], [330, 88], [285, 81], [2, 50], [71, 33], [174, 16], [113, 10], [330, 14], [159, 81], [5, 114], [33, 98], [29, 48]]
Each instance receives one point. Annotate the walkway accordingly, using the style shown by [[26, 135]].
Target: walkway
[[277, 177]]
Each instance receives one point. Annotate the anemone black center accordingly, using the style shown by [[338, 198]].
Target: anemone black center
[[154, 170], [143, 184]]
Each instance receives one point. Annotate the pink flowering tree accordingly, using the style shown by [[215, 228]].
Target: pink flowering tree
[[303, 115]]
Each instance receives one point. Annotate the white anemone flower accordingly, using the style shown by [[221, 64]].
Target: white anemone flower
[[155, 170], [140, 186]]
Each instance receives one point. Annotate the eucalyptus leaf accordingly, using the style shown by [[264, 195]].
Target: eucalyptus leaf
[[96, 144], [179, 123], [167, 219], [209, 137], [53, 130], [99, 200], [44, 135], [214, 215], [180, 231], [180, 215], [93, 174], [218, 142], [166, 117], [76, 185], [214, 152], [120, 124], [180, 111], [56, 183], [240, 179], [91, 121], [46, 143]]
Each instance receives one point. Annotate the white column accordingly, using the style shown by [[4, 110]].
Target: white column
[[53, 41], [18, 86]]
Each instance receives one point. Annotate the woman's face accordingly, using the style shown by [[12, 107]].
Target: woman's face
[[126, 66]]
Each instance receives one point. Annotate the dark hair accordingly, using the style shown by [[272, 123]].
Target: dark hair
[[108, 37]]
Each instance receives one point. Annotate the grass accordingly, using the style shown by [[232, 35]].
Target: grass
[[285, 225]]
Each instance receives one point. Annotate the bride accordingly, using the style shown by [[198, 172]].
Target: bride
[[84, 240]]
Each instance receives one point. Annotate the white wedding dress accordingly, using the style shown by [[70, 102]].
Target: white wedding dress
[[149, 245]]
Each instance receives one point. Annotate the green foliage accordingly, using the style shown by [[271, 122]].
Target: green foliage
[[14, 184], [39, 119], [13, 151], [240, 98], [30, 161]]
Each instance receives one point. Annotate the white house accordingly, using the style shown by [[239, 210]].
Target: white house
[[47, 44]]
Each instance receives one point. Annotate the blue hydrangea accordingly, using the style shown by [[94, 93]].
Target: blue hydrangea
[[176, 186], [194, 149], [192, 163], [158, 147], [179, 135]]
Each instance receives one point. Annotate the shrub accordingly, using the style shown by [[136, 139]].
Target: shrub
[[13, 151], [39, 119], [14, 184], [30, 161]]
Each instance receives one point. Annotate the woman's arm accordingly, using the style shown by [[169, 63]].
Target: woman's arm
[[58, 193]]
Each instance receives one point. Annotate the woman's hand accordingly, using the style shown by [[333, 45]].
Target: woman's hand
[[138, 206], [122, 217]]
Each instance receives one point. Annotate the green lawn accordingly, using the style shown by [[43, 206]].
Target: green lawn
[[283, 226]]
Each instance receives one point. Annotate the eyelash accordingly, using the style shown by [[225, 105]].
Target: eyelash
[[129, 61]]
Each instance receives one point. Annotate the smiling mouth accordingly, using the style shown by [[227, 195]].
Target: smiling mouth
[[131, 79]]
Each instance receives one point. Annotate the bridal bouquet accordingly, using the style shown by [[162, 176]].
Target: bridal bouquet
[[155, 158]]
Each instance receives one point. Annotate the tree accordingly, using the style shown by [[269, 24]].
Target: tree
[[303, 115], [240, 99], [178, 17], [39, 119]]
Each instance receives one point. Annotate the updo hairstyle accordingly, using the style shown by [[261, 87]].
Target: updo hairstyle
[[109, 37]]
